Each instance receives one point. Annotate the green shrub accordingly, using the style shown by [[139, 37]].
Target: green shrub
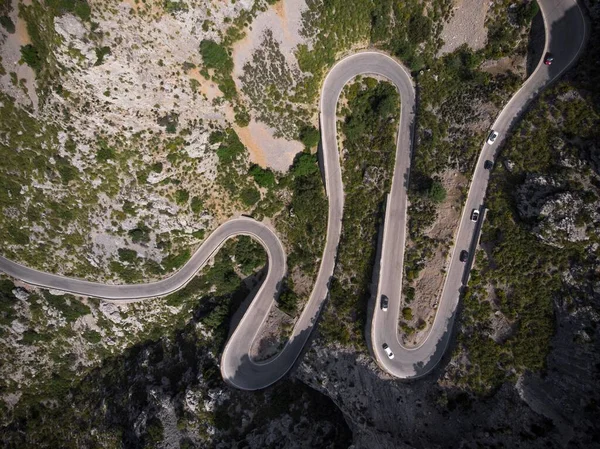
[[407, 313], [65, 169], [309, 136], [197, 205], [8, 24], [305, 165], [82, 9], [129, 207], [526, 11], [71, 307], [175, 6], [227, 86], [18, 236], [182, 196], [141, 234], [92, 336], [242, 116], [101, 52], [263, 177], [7, 302], [288, 302], [175, 261], [31, 337], [217, 317], [78, 7], [170, 122], [437, 192], [408, 330], [249, 255], [216, 137], [127, 255], [31, 56], [215, 56], [105, 152], [154, 427], [231, 148], [250, 196]]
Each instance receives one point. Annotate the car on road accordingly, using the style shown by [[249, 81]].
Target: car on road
[[384, 303], [464, 255], [488, 165], [387, 350], [548, 59], [492, 137], [474, 215]]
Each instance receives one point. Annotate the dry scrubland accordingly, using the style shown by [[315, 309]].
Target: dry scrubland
[[131, 129]]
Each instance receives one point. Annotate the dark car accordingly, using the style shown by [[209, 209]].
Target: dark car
[[548, 59], [464, 255], [488, 165], [384, 303]]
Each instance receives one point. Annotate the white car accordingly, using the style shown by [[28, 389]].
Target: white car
[[492, 137], [384, 303], [388, 351], [474, 215]]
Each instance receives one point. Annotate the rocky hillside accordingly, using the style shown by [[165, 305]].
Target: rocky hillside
[[525, 358], [108, 108], [128, 132]]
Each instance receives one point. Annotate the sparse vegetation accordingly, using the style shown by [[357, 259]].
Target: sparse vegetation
[[175, 261], [101, 52], [217, 57], [436, 192]]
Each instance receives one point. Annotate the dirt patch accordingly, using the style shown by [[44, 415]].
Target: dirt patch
[[153, 9], [273, 334], [466, 26], [210, 90], [283, 21], [515, 64], [428, 285], [10, 50], [266, 150], [21, 32]]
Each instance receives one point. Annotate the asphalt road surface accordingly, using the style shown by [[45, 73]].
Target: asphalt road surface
[[562, 18]]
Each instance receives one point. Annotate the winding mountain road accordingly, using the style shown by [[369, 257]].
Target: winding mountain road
[[561, 17], [565, 29]]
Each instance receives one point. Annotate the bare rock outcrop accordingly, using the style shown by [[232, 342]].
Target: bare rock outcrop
[[557, 215]]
